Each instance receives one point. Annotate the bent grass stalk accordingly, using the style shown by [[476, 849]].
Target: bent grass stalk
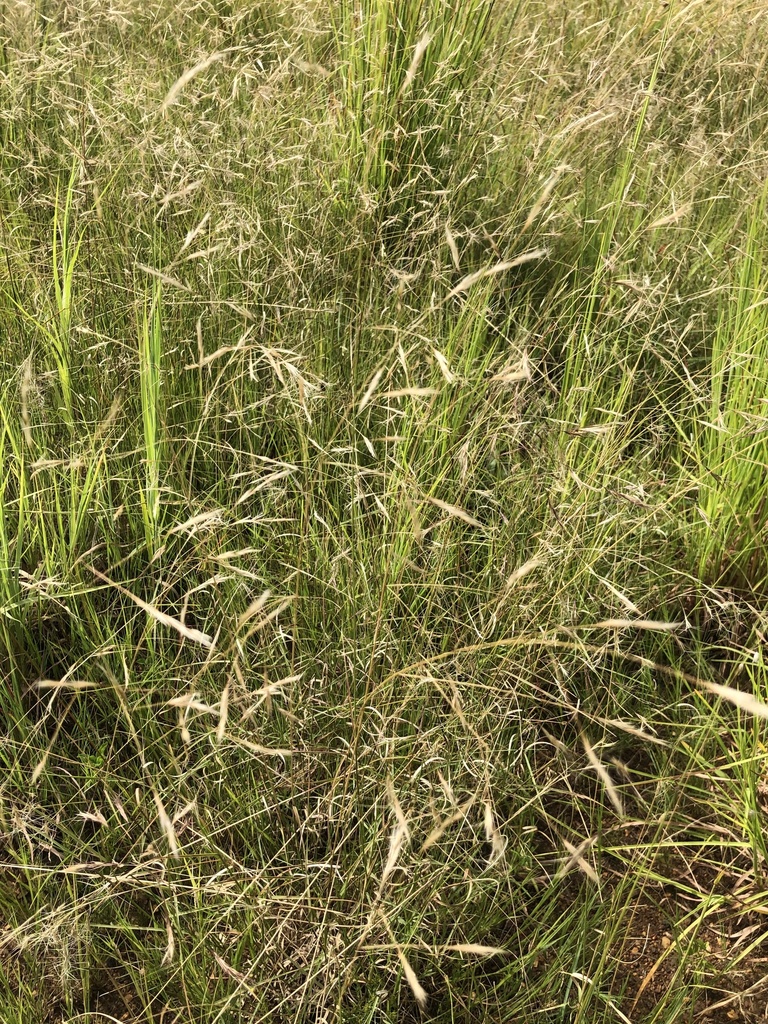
[[65, 251], [150, 367], [733, 441]]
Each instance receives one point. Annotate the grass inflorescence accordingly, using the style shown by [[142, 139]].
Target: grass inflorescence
[[383, 558]]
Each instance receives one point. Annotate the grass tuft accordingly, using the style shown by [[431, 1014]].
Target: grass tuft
[[383, 555]]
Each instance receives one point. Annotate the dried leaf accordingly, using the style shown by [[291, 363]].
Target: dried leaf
[[170, 948], [452, 246], [410, 976], [411, 393], [576, 859], [166, 824], [662, 627], [513, 374], [621, 597], [268, 618], [445, 369], [374, 383], [189, 702], [418, 53], [446, 823], [471, 279], [744, 701], [408, 971], [610, 788], [96, 816], [256, 748], [230, 972], [399, 835], [183, 80], [66, 684], [523, 570], [195, 523], [671, 218], [172, 282], [454, 510], [165, 620], [185, 810], [223, 713], [538, 206], [27, 385], [493, 836], [474, 948]]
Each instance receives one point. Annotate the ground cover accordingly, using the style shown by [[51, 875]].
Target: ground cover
[[383, 550]]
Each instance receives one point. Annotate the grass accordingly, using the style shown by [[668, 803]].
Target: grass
[[382, 534]]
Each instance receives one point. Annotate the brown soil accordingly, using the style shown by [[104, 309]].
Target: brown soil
[[729, 993]]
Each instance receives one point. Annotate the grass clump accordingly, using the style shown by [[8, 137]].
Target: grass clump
[[382, 545]]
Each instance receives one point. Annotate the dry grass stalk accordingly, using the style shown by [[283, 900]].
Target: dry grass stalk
[[602, 771], [480, 275]]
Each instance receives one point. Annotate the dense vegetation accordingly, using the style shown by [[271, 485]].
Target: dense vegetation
[[383, 482]]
